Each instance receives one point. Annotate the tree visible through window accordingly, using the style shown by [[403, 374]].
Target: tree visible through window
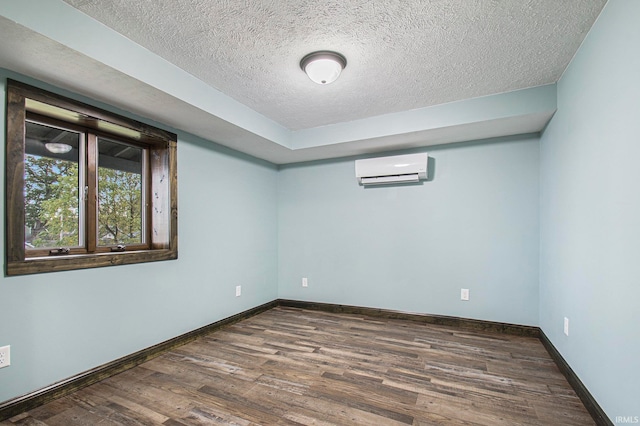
[[79, 186], [120, 184], [52, 202], [52, 206]]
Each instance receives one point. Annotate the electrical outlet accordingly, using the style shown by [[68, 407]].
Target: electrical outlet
[[5, 356], [305, 282], [566, 326], [238, 290], [464, 294]]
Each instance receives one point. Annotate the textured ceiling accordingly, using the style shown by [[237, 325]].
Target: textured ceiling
[[402, 54]]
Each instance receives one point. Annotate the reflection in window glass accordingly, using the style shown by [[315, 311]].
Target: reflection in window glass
[[120, 193], [51, 182]]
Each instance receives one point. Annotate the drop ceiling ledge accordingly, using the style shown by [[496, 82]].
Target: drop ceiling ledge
[[107, 67]]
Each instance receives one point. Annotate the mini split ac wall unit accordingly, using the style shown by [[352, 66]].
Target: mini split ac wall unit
[[392, 170]]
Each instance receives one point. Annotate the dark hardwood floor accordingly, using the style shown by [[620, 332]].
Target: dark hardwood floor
[[293, 366]]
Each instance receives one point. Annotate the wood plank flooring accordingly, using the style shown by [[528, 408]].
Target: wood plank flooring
[[298, 367]]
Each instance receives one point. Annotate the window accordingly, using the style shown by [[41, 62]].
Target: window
[[85, 187]]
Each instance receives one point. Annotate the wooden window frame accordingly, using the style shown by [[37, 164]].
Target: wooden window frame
[[162, 185]]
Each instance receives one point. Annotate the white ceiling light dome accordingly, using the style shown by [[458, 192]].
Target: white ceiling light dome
[[57, 147], [323, 67]]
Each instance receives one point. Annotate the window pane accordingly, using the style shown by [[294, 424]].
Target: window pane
[[51, 182], [120, 193]]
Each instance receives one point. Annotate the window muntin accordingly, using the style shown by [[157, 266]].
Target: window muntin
[[151, 168]]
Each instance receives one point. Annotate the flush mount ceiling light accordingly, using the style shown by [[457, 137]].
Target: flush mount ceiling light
[[58, 148], [323, 67]]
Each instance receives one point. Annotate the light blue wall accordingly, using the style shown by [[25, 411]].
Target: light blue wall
[[60, 324], [412, 248], [590, 212]]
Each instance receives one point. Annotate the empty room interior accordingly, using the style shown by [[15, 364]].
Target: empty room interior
[[280, 271]]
